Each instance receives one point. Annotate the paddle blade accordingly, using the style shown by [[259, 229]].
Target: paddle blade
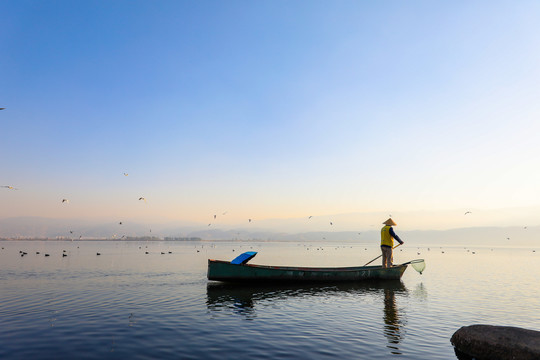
[[419, 265]]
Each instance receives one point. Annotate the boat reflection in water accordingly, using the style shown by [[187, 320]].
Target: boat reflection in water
[[242, 299]]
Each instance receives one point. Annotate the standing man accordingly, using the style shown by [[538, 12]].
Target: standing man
[[387, 242]]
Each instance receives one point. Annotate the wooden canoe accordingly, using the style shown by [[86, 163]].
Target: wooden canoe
[[226, 271]]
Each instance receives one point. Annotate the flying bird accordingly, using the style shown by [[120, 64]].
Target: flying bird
[[65, 201], [249, 220], [9, 187], [468, 212], [331, 223], [141, 198], [310, 217], [126, 174], [120, 223]]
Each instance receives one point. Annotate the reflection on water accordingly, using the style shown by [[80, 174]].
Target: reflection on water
[[392, 321], [420, 292], [242, 299]]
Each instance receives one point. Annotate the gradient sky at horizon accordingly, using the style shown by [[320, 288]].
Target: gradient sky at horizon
[[268, 109]]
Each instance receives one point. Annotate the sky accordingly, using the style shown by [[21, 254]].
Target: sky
[[271, 110]]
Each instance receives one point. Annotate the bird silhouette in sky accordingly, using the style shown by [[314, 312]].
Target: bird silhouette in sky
[[468, 212], [9, 187], [310, 217], [65, 201], [141, 198], [126, 174], [331, 223], [120, 223], [249, 220], [215, 216]]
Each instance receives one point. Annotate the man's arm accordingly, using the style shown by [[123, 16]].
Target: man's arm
[[395, 236]]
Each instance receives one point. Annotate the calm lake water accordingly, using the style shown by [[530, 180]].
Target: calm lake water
[[125, 303]]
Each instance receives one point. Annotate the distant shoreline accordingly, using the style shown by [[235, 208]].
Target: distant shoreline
[[144, 238]]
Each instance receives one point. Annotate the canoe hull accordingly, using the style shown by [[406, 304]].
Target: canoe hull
[[225, 271]]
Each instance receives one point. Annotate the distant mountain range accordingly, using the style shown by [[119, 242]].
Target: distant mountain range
[[37, 227]]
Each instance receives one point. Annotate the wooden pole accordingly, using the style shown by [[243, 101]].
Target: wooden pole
[[380, 256]]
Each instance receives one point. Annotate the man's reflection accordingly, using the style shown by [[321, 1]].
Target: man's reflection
[[393, 324]]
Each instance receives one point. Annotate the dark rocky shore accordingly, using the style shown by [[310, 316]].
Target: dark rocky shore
[[483, 342]]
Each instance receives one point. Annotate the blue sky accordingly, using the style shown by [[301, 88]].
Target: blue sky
[[268, 109]]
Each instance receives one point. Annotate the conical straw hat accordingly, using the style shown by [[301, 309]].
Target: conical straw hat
[[390, 222]]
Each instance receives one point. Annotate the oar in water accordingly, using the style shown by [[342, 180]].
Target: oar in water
[[380, 255]]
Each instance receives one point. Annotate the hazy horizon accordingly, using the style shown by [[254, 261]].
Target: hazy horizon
[[82, 229]]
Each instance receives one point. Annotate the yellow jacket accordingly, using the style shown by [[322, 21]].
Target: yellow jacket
[[388, 236]]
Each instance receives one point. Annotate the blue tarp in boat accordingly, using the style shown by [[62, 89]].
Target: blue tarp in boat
[[244, 258]]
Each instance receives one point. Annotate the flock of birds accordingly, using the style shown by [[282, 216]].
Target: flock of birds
[[65, 254], [307, 248], [142, 198]]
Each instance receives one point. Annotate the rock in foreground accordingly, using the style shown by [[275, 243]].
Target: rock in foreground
[[484, 342]]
